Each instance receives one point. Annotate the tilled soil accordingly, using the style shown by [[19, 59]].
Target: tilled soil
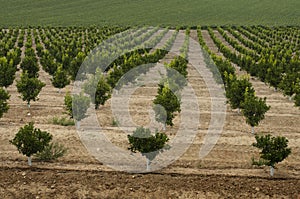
[[42, 183]]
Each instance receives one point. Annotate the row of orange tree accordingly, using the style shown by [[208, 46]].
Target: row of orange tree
[[276, 59], [241, 95]]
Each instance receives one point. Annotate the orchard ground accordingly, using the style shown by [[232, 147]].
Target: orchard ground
[[225, 172]]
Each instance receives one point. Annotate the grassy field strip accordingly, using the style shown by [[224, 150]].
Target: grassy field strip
[[169, 12]]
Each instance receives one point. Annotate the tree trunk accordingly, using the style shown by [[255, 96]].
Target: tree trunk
[[77, 124], [59, 90], [239, 110], [148, 164], [252, 130], [29, 161], [28, 104], [272, 171], [290, 98]]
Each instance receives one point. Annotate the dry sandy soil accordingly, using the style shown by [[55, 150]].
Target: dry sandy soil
[[226, 172]]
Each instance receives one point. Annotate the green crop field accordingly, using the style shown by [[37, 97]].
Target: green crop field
[[143, 12]]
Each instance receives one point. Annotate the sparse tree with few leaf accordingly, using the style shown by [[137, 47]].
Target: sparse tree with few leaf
[[77, 106], [29, 88], [149, 145], [30, 140], [254, 109], [274, 149]]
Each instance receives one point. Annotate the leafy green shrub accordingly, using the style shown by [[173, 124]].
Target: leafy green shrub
[[274, 149], [7, 72], [77, 105], [63, 121], [254, 109], [4, 96], [30, 140], [297, 99], [68, 104], [147, 144], [29, 88], [51, 152], [115, 123], [60, 78], [259, 162], [169, 101]]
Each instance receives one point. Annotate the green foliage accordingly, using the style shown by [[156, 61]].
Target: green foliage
[[274, 149], [176, 81], [224, 67], [236, 90], [68, 104], [273, 75], [297, 99], [51, 152], [29, 88], [29, 50], [297, 91], [115, 123], [30, 65], [30, 140], [114, 76], [4, 96], [75, 65], [77, 105], [160, 113], [14, 55], [103, 92], [254, 109], [169, 101], [144, 142], [179, 64], [48, 63], [7, 72], [60, 78], [39, 49], [90, 85], [62, 121], [288, 83], [259, 162]]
